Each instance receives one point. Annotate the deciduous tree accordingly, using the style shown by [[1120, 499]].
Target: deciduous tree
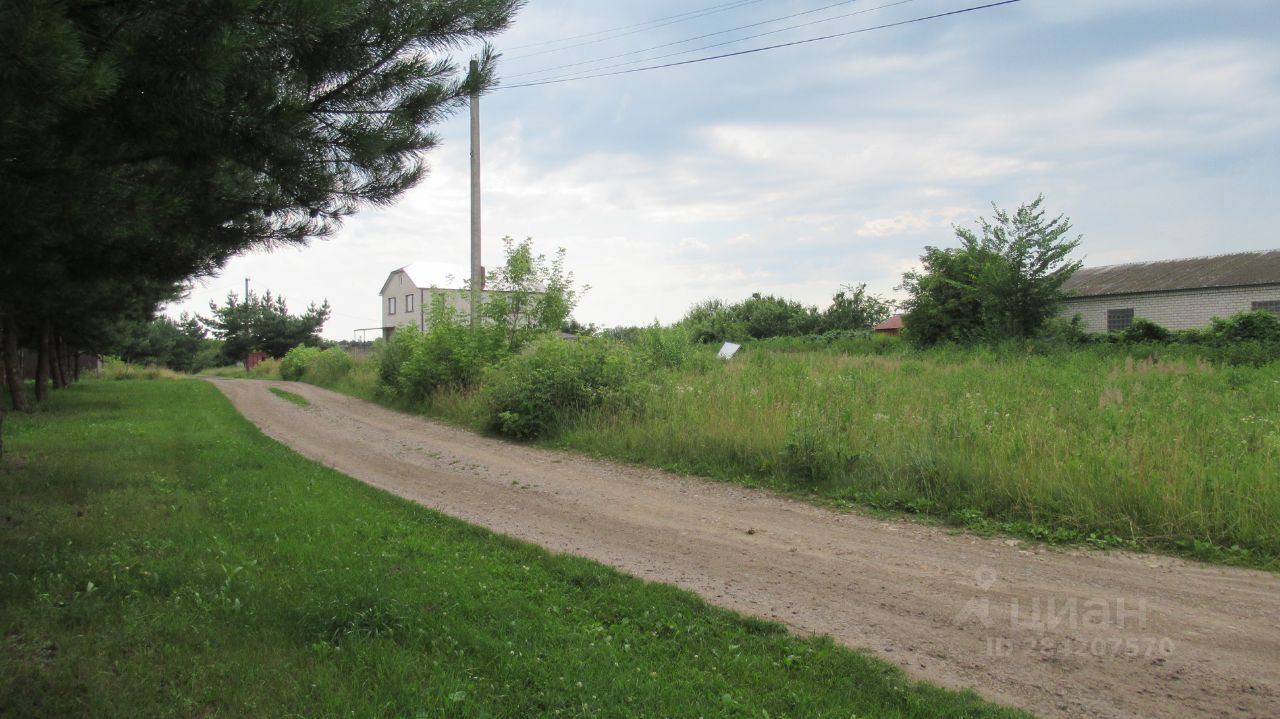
[[1005, 282]]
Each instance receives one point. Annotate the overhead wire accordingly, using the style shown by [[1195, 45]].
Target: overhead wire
[[694, 16], [726, 6], [752, 51], [713, 34]]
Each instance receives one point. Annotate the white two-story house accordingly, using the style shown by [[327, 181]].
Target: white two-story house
[[409, 291]]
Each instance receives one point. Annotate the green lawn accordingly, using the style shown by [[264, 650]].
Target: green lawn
[[161, 557]]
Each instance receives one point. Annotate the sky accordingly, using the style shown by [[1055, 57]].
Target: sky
[[1154, 125]]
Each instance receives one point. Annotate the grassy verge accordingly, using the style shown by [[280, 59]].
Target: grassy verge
[[163, 558], [290, 397]]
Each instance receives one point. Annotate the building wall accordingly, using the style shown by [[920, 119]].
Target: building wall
[[398, 286], [1176, 310]]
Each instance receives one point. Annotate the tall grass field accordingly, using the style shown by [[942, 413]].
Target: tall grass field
[[162, 558], [1179, 453]]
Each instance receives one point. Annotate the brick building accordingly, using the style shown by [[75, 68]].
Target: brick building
[[1178, 294]]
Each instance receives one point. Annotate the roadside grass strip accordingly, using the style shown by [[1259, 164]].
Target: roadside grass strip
[[161, 557], [291, 397]]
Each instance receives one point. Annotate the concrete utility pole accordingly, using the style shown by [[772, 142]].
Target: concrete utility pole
[[477, 272], [246, 290]]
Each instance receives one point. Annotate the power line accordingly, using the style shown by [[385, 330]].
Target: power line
[[728, 5], [642, 27], [713, 34], [763, 49]]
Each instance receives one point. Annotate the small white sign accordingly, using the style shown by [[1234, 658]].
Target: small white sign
[[729, 350]]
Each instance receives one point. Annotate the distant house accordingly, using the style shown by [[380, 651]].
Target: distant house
[[1178, 294], [891, 326], [409, 292]]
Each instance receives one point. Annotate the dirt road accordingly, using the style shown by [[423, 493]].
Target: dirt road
[[1068, 634]]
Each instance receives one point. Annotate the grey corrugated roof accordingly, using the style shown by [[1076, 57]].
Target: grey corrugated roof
[[1234, 270]]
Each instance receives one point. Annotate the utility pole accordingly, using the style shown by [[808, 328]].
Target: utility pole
[[246, 290], [477, 272]]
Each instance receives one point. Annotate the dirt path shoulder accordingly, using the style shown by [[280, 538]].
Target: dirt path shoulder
[[1061, 633]]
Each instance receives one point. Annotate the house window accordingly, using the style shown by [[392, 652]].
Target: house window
[[1118, 320], [391, 305], [1272, 306], [408, 303]]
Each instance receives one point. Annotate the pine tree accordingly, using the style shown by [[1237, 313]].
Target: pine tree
[[146, 142]]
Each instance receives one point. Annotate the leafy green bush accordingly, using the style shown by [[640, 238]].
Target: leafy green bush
[[1144, 330], [1063, 331], [295, 362], [448, 354], [531, 394], [1256, 326], [390, 355], [327, 367], [757, 317]]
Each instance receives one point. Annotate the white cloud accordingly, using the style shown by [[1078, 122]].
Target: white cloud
[[795, 173]]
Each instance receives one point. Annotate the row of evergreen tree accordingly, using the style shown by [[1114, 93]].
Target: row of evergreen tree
[[145, 143]]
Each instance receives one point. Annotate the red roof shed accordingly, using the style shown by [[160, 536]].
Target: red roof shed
[[891, 326]]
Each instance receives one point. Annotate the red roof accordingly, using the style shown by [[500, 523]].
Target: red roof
[[893, 323]]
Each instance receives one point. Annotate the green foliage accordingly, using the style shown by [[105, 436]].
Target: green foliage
[[200, 568], [531, 395], [1144, 330], [770, 316], [527, 297], [660, 348], [148, 143], [1068, 439], [114, 368], [713, 320], [391, 354], [1003, 284], [765, 316], [1255, 326], [811, 454], [266, 369], [1245, 338], [328, 367], [852, 309], [756, 317], [162, 341], [448, 354], [1064, 332], [295, 362], [855, 342], [529, 294], [263, 324]]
